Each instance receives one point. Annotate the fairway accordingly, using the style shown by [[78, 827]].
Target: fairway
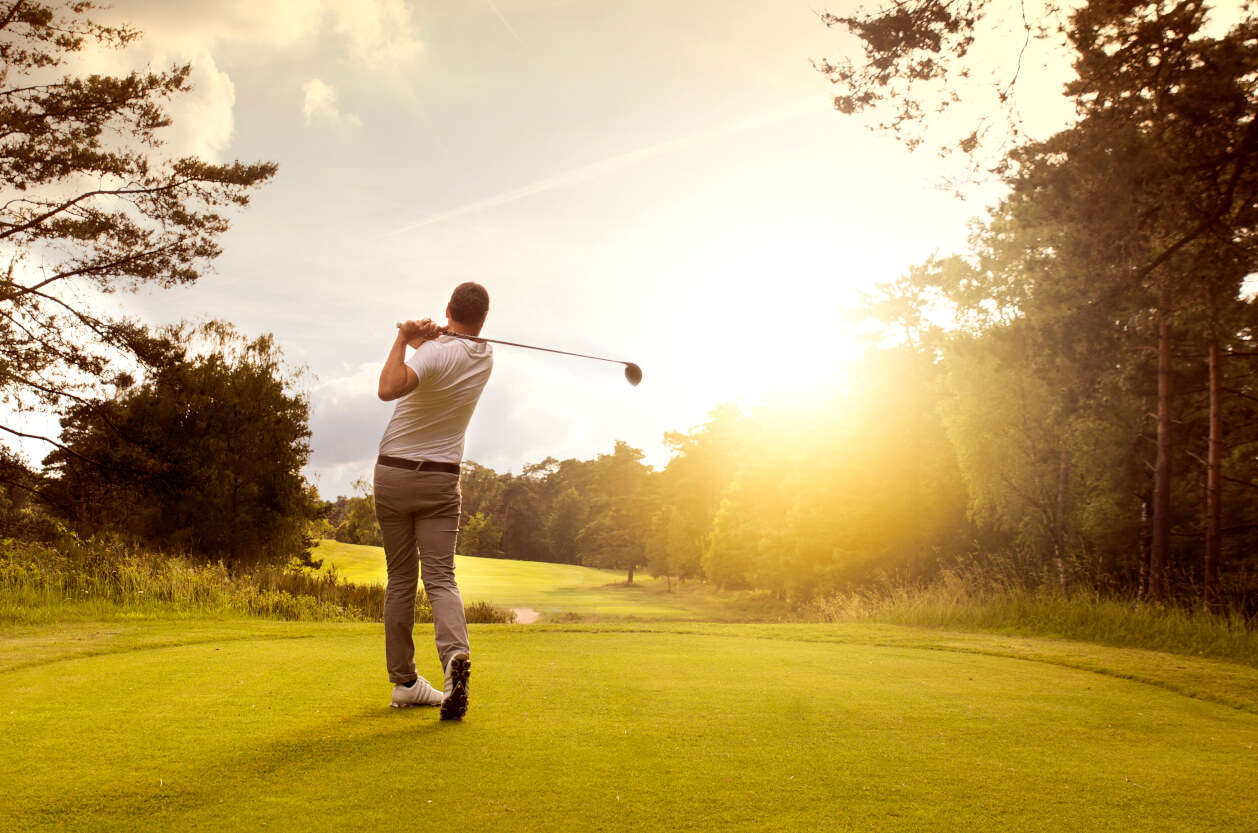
[[555, 591], [229, 725]]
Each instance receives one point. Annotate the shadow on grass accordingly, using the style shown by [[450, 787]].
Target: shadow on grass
[[368, 735]]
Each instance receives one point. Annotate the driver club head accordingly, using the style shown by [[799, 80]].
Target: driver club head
[[633, 373]]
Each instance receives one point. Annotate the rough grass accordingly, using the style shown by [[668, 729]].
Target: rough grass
[[102, 580], [285, 726], [78, 580], [1120, 623]]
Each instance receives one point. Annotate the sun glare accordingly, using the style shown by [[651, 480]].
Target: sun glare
[[782, 321]]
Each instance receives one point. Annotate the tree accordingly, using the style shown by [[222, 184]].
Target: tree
[[832, 489], [204, 456], [614, 537], [567, 518], [535, 516], [356, 522], [482, 490], [674, 546], [480, 536], [524, 515], [1153, 189], [22, 514], [353, 518], [91, 202]]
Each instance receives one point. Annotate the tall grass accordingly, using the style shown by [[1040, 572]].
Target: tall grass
[[966, 599], [76, 579]]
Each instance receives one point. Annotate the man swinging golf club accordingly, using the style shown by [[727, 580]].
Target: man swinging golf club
[[417, 491]]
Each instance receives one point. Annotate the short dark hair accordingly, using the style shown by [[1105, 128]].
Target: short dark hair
[[469, 304]]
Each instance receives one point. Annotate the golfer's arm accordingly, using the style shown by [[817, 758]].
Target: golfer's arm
[[396, 379]]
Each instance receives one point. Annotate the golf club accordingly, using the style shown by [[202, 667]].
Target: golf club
[[632, 372]]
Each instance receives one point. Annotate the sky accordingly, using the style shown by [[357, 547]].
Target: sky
[[662, 181]]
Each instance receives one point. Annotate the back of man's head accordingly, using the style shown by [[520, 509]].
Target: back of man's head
[[469, 304]]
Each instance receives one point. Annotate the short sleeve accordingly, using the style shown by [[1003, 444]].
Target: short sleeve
[[423, 360]]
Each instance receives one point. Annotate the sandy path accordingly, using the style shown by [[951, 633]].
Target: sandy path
[[525, 615]]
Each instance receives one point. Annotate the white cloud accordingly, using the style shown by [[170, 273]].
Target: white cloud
[[380, 33], [321, 101], [378, 36], [203, 120], [347, 421]]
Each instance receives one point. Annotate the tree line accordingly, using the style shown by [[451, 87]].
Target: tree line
[[571, 511], [952, 446], [799, 498]]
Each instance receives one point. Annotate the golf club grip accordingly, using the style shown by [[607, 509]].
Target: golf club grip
[[446, 333]]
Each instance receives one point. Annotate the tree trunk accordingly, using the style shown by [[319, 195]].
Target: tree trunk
[[1142, 592], [1159, 555], [235, 513], [1214, 465], [80, 514], [1059, 523], [631, 574]]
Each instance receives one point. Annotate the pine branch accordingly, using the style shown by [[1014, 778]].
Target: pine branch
[[8, 18], [1248, 144], [100, 267], [53, 442], [124, 193], [42, 495]]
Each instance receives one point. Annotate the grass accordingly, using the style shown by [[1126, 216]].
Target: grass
[[111, 579], [203, 725], [966, 605], [77, 580], [565, 592], [139, 695], [568, 593]]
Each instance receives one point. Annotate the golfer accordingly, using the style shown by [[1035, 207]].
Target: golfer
[[417, 491]]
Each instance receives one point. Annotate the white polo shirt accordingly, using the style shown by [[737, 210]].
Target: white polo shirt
[[430, 422]]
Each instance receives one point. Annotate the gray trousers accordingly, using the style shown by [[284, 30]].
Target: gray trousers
[[419, 517]]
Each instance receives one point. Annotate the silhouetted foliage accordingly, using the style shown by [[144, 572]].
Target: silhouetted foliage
[[203, 456]]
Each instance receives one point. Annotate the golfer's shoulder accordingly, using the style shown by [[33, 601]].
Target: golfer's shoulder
[[465, 349], [454, 355]]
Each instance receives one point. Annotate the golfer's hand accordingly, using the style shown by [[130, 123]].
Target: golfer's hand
[[417, 332]]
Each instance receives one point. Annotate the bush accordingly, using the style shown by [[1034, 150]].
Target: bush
[[42, 581], [40, 577], [487, 614]]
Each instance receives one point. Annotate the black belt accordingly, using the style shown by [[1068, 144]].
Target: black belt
[[417, 465]]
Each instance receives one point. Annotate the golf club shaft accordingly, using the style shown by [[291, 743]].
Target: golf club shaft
[[529, 347], [632, 372]]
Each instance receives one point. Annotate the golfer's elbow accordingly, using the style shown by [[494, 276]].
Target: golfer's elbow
[[396, 385], [390, 391], [389, 388]]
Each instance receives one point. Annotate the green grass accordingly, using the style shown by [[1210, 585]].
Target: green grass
[[204, 725], [562, 592], [173, 711]]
